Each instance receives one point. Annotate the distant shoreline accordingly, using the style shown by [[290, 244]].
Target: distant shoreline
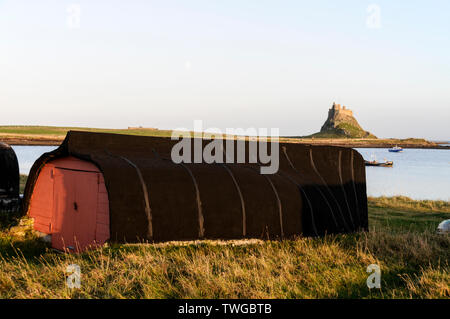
[[30, 141], [53, 136], [35, 140], [370, 143]]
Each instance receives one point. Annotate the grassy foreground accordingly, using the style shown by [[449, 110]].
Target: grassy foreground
[[414, 263]]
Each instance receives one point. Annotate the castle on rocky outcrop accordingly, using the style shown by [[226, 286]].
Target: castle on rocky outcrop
[[341, 122], [336, 108]]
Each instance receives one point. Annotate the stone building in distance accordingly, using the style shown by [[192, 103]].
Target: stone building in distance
[[342, 123]]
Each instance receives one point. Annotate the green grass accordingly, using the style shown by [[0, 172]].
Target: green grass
[[400, 214], [407, 204], [53, 131], [354, 131], [43, 132], [414, 263], [344, 131], [22, 181]]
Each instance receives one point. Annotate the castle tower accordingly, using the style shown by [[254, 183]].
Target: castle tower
[[339, 115]]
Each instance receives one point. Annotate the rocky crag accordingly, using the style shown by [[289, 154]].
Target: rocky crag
[[342, 123]]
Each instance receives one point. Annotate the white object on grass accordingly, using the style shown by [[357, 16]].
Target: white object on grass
[[444, 227]]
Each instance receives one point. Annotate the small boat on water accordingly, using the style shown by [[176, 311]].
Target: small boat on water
[[396, 149], [381, 164]]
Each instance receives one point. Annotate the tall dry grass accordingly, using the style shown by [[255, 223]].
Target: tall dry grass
[[414, 263], [334, 267]]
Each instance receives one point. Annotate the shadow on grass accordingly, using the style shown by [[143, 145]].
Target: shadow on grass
[[28, 248], [9, 217], [391, 281]]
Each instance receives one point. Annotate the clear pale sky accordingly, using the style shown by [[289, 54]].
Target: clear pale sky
[[230, 63]]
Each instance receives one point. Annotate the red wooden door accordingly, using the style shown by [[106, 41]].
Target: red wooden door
[[74, 209]]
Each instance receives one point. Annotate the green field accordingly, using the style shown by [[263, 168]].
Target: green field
[[54, 131], [52, 135], [414, 263]]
